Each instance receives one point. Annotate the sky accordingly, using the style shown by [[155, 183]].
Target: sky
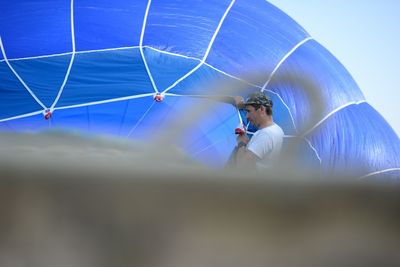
[[365, 37]]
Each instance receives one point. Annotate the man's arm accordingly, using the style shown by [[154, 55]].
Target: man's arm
[[244, 157], [239, 102]]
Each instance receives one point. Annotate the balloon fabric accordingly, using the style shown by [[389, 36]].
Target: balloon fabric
[[131, 68]]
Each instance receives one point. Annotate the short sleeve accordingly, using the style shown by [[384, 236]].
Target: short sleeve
[[260, 145]]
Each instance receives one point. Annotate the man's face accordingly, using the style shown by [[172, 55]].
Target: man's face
[[253, 115]]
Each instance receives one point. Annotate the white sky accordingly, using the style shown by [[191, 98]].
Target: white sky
[[365, 37]]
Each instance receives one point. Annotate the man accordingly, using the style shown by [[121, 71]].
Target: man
[[264, 147]]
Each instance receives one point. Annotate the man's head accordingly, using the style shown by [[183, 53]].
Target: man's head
[[258, 100], [258, 109]]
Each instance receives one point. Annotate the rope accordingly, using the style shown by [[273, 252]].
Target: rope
[[140, 120]]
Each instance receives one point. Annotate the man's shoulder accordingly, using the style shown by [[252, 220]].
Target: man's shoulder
[[273, 129]]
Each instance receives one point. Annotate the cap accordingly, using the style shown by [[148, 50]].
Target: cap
[[258, 98]]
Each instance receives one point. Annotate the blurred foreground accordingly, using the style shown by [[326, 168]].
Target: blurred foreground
[[71, 200]]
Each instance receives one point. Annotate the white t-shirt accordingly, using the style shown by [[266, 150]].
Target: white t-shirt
[[266, 144]]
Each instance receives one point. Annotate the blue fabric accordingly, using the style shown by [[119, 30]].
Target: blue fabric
[[186, 26], [44, 75], [356, 139], [31, 124], [14, 98], [35, 28], [254, 37], [166, 68], [311, 75], [103, 24], [106, 75]]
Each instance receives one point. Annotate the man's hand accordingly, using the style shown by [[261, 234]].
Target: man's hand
[[244, 158], [239, 101], [242, 138]]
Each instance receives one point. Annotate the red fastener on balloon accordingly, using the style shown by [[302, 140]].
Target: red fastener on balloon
[[158, 97], [48, 115]]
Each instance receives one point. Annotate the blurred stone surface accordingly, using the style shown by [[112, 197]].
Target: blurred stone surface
[[67, 200]]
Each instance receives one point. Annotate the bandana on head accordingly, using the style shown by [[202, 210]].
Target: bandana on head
[[259, 98]]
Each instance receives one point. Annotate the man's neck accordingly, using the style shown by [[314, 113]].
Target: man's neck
[[265, 123]]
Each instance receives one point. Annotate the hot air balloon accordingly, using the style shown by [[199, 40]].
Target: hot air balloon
[[129, 67]]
